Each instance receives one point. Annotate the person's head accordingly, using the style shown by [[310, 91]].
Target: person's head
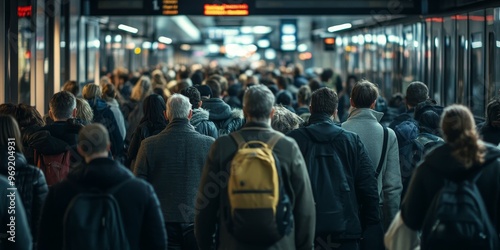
[[62, 106], [197, 77], [282, 82], [84, 111], [285, 120], [141, 89], [493, 113], [397, 101], [416, 93], [120, 76], [427, 114], [178, 107], [258, 103], [304, 96], [154, 109], [93, 142], [326, 75], [103, 81], [91, 91], [459, 130], [222, 83], [194, 96], [25, 115], [315, 84], [71, 86], [205, 91], [285, 98], [158, 79], [214, 87], [108, 92], [324, 101], [9, 129], [364, 95], [298, 70], [182, 84]]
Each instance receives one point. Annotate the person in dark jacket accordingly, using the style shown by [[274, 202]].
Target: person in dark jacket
[[416, 93], [29, 181], [152, 123], [490, 130], [172, 162], [225, 119], [361, 213], [104, 115], [200, 120], [463, 155], [138, 203], [258, 107], [20, 235]]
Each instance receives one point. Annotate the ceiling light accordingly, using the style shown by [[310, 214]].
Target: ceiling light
[[339, 27], [270, 54], [288, 29], [146, 45], [128, 28], [246, 29], [118, 38], [185, 47], [261, 29], [165, 40], [188, 27], [107, 39], [263, 43], [302, 47]]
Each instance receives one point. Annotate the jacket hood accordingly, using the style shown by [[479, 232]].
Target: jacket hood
[[199, 115], [237, 113], [322, 128], [98, 104], [45, 143], [365, 113], [218, 109], [113, 103], [443, 154]]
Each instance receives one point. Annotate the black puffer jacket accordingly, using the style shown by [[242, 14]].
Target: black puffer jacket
[[31, 185], [143, 131], [201, 123], [352, 158]]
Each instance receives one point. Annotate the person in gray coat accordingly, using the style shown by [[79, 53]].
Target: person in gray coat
[[364, 121], [172, 162]]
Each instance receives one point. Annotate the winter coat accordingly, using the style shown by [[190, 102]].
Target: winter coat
[[295, 181], [31, 185], [365, 123], [429, 178], [202, 124], [141, 216], [172, 162], [145, 130], [225, 119], [104, 116], [358, 168], [115, 108]]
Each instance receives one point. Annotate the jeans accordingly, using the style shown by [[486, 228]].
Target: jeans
[[181, 236]]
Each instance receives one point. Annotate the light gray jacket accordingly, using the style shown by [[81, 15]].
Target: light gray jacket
[[365, 123]]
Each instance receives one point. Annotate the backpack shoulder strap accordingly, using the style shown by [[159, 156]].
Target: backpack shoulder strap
[[240, 141], [273, 140], [384, 151]]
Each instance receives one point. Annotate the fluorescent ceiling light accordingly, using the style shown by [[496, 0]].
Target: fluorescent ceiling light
[[188, 27], [185, 47], [270, 54], [288, 29], [165, 40], [263, 43], [246, 29], [476, 45], [147, 45], [261, 29], [339, 27], [128, 28], [118, 38], [107, 39], [302, 47]]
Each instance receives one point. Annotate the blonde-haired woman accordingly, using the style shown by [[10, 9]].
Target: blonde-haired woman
[[84, 111], [133, 111], [462, 156]]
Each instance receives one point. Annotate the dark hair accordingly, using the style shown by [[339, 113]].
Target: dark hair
[[428, 115], [28, 116], [184, 73], [62, 105], [364, 94], [314, 84], [197, 77], [194, 96], [459, 131], [416, 93], [258, 102], [493, 112], [304, 95], [222, 83], [284, 98], [214, 87], [326, 75], [71, 86], [282, 82], [153, 108], [324, 101], [396, 101], [108, 92], [10, 129]]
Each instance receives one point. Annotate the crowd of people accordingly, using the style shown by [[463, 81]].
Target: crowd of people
[[152, 161]]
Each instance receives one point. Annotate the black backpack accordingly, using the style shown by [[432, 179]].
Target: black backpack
[[457, 219], [93, 221]]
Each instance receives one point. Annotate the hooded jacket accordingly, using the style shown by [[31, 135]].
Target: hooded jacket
[[358, 168], [139, 206], [31, 185], [429, 178], [225, 119], [202, 124], [365, 123]]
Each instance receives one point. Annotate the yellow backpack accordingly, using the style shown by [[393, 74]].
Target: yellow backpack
[[259, 211]]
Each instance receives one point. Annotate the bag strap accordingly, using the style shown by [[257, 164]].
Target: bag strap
[[240, 141], [384, 151]]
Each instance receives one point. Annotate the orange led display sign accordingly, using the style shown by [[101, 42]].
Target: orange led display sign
[[170, 7], [330, 41], [225, 9]]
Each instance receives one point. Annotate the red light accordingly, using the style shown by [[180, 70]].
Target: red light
[[27, 55], [24, 11], [330, 41]]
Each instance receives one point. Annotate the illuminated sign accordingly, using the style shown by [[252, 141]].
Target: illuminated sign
[[225, 9], [170, 7], [24, 11]]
